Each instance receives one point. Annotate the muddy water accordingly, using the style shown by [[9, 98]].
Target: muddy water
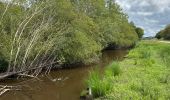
[[65, 84]]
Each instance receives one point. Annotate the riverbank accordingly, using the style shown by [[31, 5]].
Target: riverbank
[[62, 84], [144, 74]]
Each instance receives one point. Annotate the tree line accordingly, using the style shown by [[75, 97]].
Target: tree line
[[37, 33], [164, 34]]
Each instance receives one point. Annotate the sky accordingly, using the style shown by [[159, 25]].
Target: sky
[[151, 15]]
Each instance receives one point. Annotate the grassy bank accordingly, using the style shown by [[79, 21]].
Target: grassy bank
[[143, 75]]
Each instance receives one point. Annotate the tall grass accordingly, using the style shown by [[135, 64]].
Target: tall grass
[[165, 55], [102, 85], [113, 69], [142, 55]]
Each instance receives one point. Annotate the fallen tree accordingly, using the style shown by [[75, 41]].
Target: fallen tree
[[21, 73]]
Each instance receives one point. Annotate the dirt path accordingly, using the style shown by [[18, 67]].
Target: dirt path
[[164, 41]]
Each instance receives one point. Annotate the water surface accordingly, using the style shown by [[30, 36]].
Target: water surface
[[65, 84]]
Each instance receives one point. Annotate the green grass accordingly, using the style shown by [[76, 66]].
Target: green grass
[[164, 55], [144, 75], [102, 85], [113, 70]]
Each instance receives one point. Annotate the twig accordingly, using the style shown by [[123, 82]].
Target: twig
[[3, 87], [3, 91], [6, 88], [26, 75]]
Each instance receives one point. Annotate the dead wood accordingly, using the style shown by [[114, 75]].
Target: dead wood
[[9, 74]]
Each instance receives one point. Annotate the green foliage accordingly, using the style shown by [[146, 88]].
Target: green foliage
[[159, 35], [140, 32], [80, 48], [165, 33], [66, 31]]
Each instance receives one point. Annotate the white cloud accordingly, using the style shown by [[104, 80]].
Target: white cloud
[[152, 15], [161, 5], [145, 13], [151, 21], [144, 3]]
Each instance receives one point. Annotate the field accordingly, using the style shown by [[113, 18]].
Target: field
[[143, 75]]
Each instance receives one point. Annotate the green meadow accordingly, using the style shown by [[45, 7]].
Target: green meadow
[[143, 75]]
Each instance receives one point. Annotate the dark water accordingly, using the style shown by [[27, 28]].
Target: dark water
[[64, 84]]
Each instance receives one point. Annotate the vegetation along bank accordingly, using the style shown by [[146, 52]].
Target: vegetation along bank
[[143, 75], [43, 33]]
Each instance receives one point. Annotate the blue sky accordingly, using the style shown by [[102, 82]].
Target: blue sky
[[152, 15]]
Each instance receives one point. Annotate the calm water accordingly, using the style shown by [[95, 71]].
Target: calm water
[[65, 84]]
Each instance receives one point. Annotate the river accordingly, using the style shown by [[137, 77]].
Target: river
[[65, 84]]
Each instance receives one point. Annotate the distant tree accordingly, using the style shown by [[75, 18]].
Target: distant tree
[[159, 34], [164, 34], [140, 32]]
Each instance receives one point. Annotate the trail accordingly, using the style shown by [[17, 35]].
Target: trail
[[164, 41]]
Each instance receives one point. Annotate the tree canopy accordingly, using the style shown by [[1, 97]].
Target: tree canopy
[[61, 31]]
